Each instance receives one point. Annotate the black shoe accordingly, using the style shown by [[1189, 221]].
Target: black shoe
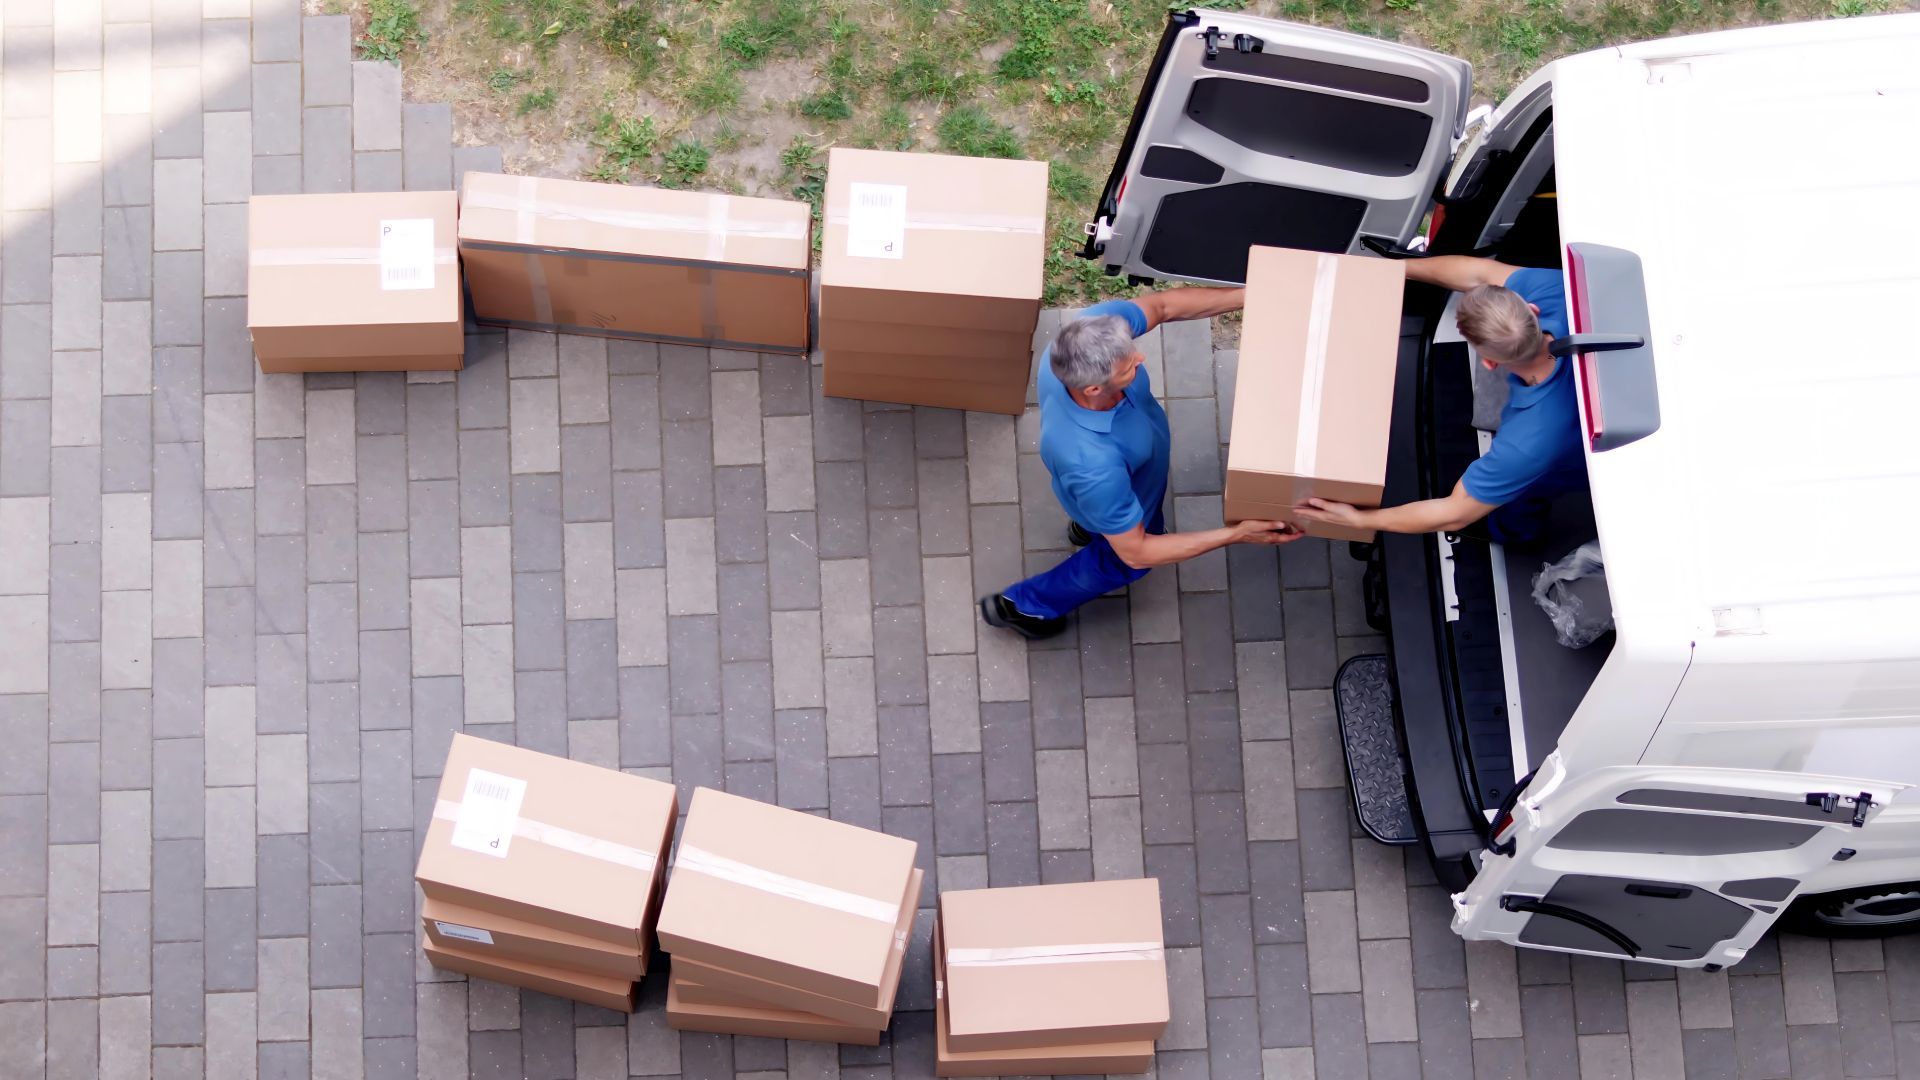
[[1078, 536], [998, 611]]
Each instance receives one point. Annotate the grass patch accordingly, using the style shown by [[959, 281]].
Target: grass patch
[[393, 27], [503, 80], [771, 27], [717, 90], [537, 101], [632, 33], [969, 131], [685, 163]]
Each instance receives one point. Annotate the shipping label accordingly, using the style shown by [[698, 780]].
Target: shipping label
[[877, 221], [463, 933], [489, 811], [406, 253]]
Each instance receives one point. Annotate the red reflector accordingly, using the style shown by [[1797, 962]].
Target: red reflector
[[1589, 370], [1120, 194], [1433, 224]]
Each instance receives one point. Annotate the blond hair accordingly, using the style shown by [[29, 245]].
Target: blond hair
[[1499, 324]]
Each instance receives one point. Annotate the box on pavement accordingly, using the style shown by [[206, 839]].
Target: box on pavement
[[930, 278], [488, 934], [1049, 965], [788, 897], [652, 263], [606, 991], [1313, 399], [549, 842], [354, 282], [1066, 1059], [765, 1021]]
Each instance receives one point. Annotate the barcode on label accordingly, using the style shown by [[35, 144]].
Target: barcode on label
[[489, 812], [877, 221], [490, 789], [406, 253]]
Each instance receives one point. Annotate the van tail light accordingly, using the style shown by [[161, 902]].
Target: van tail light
[[1589, 372], [1610, 344]]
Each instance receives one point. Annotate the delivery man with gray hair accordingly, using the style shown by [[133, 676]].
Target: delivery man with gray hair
[[1106, 443], [1509, 315]]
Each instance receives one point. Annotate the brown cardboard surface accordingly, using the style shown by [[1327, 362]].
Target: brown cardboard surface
[[770, 1023], [1010, 352], [637, 262], [605, 892], [1034, 985], [315, 294], [608, 992], [936, 310], [1358, 329], [1009, 398], [752, 990], [786, 896], [469, 929], [1067, 1059]]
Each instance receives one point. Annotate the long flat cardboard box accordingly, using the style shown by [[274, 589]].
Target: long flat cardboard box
[[1067, 1059], [786, 896], [1313, 398], [1044, 965], [489, 934], [549, 841], [754, 990], [766, 1022], [606, 991], [354, 282], [677, 266]]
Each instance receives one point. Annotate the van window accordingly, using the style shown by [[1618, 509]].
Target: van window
[[1656, 832]]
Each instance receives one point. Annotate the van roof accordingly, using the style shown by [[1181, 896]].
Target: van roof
[[1767, 178]]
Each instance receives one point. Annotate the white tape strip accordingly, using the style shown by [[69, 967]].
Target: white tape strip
[[554, 836], [1313, 373], [717, 215], [1026, 955], [959, 222], [526, 208], [695, 860], [522, 208], [334, 256]]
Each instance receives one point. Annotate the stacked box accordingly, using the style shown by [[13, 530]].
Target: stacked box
[[1313, 395], [364, 282], [930, 277], [544, 873], [678, 266], [785, 925], [1049, 980]]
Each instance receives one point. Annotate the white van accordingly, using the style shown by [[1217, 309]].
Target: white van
[[1735, 216]]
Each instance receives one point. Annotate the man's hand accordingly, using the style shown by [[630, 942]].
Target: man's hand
[[1328, 512], [1256, 531], [1455, 511]]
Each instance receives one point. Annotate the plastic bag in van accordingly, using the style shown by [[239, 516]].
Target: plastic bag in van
[[1573, 593]]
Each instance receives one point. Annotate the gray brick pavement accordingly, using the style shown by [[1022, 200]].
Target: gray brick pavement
[[244, 613]]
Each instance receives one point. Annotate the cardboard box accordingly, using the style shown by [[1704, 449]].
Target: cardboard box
[[1070, 1059], [930, 274], [1046, 965], [767, 1022], [752, 990], [618, 261], [486, 934], [549, 841], [1313, 403], [786, 896], [606, 991], [363, 282]]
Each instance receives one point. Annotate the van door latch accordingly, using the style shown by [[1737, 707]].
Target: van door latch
[[1828, 801], [1242, 43]]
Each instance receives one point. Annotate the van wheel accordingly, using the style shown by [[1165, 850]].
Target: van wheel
[[1866, 912]]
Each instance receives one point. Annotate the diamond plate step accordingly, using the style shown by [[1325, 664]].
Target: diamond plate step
[[1363, 701]]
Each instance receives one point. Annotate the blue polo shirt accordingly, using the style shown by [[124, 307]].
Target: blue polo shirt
[[1109, 468], [1537, 450]]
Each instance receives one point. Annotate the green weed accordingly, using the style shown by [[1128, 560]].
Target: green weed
[[537, 101], [625, 143], [1069, 184], [830, 104], [502, 80], [631, 32], [970, 132], [686, 162], [803, 173], [772, 26], [717, 90], [393, 27], [924, 74]]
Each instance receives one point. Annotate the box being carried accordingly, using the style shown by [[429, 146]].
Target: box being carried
[[363, 282], [930, 278], [1313, 400], [634, 262]]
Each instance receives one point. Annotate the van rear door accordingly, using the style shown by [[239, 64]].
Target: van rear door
[[1257, 131]]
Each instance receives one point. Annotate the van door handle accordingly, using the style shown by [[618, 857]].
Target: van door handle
[[1533, 905], [1660, 892]]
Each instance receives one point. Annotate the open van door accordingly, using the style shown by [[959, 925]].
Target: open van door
[[1254, 131], [1678, 866]]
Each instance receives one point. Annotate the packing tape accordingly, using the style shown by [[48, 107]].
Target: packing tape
[[1313, 373], [523, 232], [709, 301], [1026, 955], [718, 215], [554, 836], [699, 861], [957, 221], [333, 256], [527, 208]]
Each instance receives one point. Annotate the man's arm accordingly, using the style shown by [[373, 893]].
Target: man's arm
[[1143, 550], [1174, 305], [1456, 511], [1458, 272]]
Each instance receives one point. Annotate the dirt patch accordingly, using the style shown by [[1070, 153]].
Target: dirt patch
[[764, 124]]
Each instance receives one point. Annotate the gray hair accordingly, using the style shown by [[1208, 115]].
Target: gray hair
[[1086, 350]]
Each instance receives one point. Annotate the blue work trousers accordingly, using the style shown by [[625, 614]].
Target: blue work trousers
[[1092, 571]]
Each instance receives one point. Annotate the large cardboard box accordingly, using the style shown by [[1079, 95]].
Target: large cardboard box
[[1067, 1059], [930, 278], [619, 261], [488, 934], [1046, 965], [549, 841], [606, 991], [753, 990], [764, 1021], [786, 896], [1313, 400], [362, 282]]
